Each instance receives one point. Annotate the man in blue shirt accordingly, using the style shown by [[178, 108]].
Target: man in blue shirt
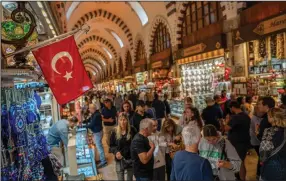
[[59, 132], [95, 124], [109, 114], [187, 164]]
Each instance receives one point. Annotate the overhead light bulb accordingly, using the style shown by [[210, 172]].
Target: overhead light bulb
[[48, 21], [44, 13], [40, 4]]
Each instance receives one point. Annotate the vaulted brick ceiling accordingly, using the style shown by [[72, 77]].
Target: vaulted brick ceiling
[[103, 19]]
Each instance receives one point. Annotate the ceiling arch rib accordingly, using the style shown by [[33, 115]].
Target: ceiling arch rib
[[95, 62], [107, 15], [94, 51], [92, 38], [90, 68]]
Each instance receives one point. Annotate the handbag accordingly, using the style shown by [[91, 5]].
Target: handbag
[[126, 163], [55, 164]]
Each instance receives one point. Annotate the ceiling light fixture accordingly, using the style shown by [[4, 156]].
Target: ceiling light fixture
[[48, 21], [118, 39], [136, 6], [51, 27], [40, 4], [44, 13]]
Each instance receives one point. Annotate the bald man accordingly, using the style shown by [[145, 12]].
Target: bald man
[[95, 124]]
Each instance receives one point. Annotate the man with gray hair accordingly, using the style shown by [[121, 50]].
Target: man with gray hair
[[95, 124], [187, 164], [142, 152]]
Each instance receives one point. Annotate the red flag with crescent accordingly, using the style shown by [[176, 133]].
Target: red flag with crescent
[[63, 69]]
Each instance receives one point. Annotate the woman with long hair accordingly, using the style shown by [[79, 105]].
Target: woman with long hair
[[191, 116], [120, 142], [171, 131], [127, 109], [272, 149], [221, 154]]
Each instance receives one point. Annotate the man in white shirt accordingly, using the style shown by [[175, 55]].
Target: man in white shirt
[[159, 152]]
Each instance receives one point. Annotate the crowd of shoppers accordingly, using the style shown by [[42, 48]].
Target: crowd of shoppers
[[209, 145]]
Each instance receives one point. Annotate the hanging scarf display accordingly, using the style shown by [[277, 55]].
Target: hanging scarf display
[[273, 45], [23, 142], [262, 48]]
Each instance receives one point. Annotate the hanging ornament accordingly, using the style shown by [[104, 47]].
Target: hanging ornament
[[262, 47], [280, 47], [273, 45]]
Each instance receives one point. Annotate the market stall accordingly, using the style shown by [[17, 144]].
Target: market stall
[[204, 74], [260, 59]]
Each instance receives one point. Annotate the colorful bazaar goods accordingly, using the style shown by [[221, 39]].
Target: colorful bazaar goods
[[24, 145]]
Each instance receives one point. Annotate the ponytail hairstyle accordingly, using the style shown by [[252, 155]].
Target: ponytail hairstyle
[[209, 130]]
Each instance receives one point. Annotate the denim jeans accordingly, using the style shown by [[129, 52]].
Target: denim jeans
[[142, 179], [121, 172], [99, 146]]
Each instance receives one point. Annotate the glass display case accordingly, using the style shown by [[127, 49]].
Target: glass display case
[[177, 107], [84, 154]]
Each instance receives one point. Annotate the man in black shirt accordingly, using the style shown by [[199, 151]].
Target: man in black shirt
[[167, 105], [264, 105], [138, 115], [160, 109], [212, 114], [95, 124], [238, 133], [142, 152], [109, 118]]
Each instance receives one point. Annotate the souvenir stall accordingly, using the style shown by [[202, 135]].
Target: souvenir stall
[[260, 59], [141, 80], [204, 74]]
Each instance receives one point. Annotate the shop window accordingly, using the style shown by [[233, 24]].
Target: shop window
[[128, 61], [199, 15], [161, 39], [141, 51]]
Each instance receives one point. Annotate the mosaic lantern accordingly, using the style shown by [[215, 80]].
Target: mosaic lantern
[[19, 31]]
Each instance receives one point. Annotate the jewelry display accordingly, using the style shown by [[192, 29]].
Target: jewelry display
[[84, 155], [23, 144], [204, 79]]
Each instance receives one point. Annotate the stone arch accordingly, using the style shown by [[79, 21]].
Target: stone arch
[[138, 38], [181, 12], [107, 15], [158, 19], [98, 39], [93, 59], [92, 50]]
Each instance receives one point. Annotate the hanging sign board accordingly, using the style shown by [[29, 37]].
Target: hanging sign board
[[194, 49], [272, 25]]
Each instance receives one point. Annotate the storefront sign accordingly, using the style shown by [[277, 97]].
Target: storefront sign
[[141, 77], [203, 56], [157, 65], [272, 25], [194, 49], [238, 68]]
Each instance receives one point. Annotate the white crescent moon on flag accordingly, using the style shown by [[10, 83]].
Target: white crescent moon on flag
[[57, 57]]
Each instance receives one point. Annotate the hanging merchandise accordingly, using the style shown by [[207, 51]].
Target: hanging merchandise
[[23, 145], [273, 45], [262, 47]]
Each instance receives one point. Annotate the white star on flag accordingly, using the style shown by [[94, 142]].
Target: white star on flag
[[68, 75]]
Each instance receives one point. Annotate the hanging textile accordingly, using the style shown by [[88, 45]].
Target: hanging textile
[[23, 143]]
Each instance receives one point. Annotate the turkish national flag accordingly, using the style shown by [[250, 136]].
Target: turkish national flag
[[63, 69]]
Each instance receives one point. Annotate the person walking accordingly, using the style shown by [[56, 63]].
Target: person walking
[[109, 118], [187, 164], [142, 152], [159, 154], [120, 142], [212, 114], [138, 115], [160, 109], [95, 124]]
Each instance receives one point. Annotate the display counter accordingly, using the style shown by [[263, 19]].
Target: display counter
[[78, 147], [177, 108]]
